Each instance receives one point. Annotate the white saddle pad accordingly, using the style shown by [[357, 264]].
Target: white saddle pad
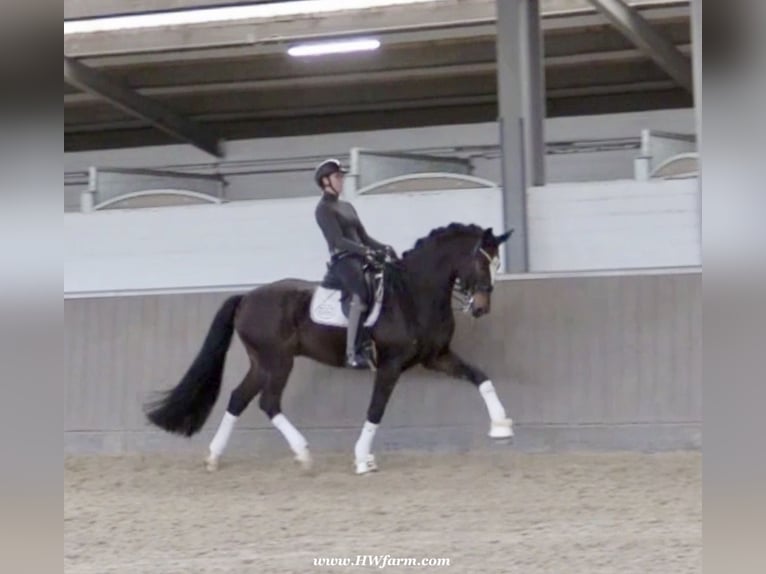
[[326, 309]]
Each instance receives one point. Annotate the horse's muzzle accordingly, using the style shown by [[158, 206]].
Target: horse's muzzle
[[480, 304], [476, 313]]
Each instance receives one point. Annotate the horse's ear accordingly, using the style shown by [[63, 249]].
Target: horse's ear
[[504, 237]]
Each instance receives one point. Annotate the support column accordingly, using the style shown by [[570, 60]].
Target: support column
[[696, 25], [521, 103]]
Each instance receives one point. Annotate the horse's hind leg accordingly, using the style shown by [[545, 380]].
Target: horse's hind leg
[[278, 369], [238, 401]]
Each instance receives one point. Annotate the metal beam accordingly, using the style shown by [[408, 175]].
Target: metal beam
[[696, 19], [648, 39], [340, 80], [121, 96], [81, 9], [381, 107], [400, 24], [277, 33], [533, 70], [522, 109]]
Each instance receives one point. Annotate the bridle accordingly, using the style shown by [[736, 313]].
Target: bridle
[[465, 295]]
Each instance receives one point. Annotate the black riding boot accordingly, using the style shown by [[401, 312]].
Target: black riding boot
[[354, 358]]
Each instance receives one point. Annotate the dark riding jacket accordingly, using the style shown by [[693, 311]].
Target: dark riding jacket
[[342, 228]]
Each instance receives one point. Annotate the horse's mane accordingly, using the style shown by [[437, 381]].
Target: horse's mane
[[453, 229]]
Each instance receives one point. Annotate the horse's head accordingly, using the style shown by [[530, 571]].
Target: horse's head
[[464, 257], [475, 274]]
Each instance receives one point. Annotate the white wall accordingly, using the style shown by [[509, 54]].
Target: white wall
[[594, 226], [298, 155], [243, 243], [614, 225]]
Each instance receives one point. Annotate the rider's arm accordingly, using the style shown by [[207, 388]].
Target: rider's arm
[[332, 232], [369, 241], [366, 239]]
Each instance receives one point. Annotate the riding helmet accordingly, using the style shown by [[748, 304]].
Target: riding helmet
[[326, 168]]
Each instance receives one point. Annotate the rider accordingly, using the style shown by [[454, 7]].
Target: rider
[[349, 247]]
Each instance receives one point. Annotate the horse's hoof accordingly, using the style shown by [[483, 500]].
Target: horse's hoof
[[365, 466], [211, 464], [501, 429], [305, 460]]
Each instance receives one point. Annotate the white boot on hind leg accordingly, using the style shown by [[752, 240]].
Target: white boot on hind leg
[[295, 439], [365, 466], [211, 463], [305, 460], [220, 440]]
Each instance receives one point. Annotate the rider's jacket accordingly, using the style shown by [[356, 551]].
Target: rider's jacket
[[342, 227]]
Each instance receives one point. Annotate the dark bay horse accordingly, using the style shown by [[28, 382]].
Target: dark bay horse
[[415, 326]]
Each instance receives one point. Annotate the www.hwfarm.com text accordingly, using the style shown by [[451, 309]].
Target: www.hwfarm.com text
[[381, 561]]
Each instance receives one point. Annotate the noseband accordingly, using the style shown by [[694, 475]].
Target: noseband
[[465, 295]]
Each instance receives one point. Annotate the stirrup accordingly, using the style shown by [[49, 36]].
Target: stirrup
[[359, 361], [363, 358]]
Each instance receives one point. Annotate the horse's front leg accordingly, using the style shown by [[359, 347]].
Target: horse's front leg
[[449, 363], [385, 380]]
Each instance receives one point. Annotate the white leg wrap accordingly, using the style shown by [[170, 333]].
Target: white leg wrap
[[364, 443], [494, 406], [501, 426], [296, 440], [222, 435], [364, 461]]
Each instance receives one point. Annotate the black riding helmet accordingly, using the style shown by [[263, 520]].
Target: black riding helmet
[[327, 168]]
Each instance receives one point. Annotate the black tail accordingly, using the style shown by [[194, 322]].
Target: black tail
[[185, 408]]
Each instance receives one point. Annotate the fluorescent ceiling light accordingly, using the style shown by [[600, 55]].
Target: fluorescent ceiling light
[[210, 15], [334, 47]]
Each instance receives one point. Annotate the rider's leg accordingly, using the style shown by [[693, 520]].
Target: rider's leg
[[349, 271], [353, 359]]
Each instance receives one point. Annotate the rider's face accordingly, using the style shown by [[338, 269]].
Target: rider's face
[[336, 182]]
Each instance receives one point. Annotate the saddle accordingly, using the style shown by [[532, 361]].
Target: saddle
[[330, 303]]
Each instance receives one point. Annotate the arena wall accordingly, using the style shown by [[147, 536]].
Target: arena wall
[[581, 362], [600, 225]]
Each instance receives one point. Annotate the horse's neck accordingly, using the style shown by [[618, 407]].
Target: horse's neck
[[430, 286]]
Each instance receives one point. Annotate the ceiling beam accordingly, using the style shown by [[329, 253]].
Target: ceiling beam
[[466, 19], [646, 38], [81, 9], [95, 82], [639, 87], [340, 80], [442, 69], [282, 114]]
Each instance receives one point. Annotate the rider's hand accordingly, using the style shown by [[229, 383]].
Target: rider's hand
[[372, 255], [377, 255]]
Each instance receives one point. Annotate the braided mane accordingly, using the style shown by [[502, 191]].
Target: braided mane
[[451, 230]]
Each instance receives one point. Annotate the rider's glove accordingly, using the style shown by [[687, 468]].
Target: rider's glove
[[377, 255], [371, 254]]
